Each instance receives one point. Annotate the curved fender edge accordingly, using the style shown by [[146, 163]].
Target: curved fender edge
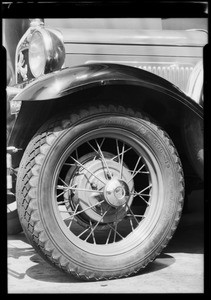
[[70, 80]]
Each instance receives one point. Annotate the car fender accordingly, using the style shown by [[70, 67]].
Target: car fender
[[70, 80], [58, 85]]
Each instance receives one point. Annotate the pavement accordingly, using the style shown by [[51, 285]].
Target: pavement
[[179, 269]]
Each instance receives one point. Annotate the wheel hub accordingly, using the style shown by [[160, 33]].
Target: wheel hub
[[116, 192]]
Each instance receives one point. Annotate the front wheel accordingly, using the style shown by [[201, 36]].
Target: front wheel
[[100, 193]]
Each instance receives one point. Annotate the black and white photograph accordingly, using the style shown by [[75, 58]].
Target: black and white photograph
[[105, 147]]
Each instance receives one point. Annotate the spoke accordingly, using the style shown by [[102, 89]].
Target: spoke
[[62, 202], [135, 173], [71, 220], [61, 194], [65, 189], [143, 199], [132, 214], [87, 190], [120, 153], [93, 148], [100, 153], [93, 236], [116, 231], [63, 181], [131, 224], [102, 142], [103, 159], [136, 165], [68, 164], [76, 152], [88, 170], [83, 232], [85, 209], [60, 187], [93, 228], [139, 193], [147, 203], [109, 234], [138, 216], [122, 159]]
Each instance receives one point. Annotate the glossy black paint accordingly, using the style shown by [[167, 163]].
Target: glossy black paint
[[70, 80]]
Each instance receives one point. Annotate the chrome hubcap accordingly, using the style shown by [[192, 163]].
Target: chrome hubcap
[[116, 192]]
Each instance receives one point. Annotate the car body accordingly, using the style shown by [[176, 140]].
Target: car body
[[135, 64]]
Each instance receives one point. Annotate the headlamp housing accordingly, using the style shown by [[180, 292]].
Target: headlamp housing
[[40, 51]]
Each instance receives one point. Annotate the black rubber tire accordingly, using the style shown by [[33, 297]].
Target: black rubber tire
[[34, 194]]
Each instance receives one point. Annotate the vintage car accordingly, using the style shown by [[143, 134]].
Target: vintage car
[[105, 139]]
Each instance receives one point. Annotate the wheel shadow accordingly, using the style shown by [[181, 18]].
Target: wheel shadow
[[43, 271]]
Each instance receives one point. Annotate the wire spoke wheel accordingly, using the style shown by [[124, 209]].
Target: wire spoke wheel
[[100, 193], [103, 188]]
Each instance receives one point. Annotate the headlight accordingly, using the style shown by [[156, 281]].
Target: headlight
[[37, 55], [46, 52]]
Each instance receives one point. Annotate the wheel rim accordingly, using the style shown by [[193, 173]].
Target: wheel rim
[[107, 186]]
